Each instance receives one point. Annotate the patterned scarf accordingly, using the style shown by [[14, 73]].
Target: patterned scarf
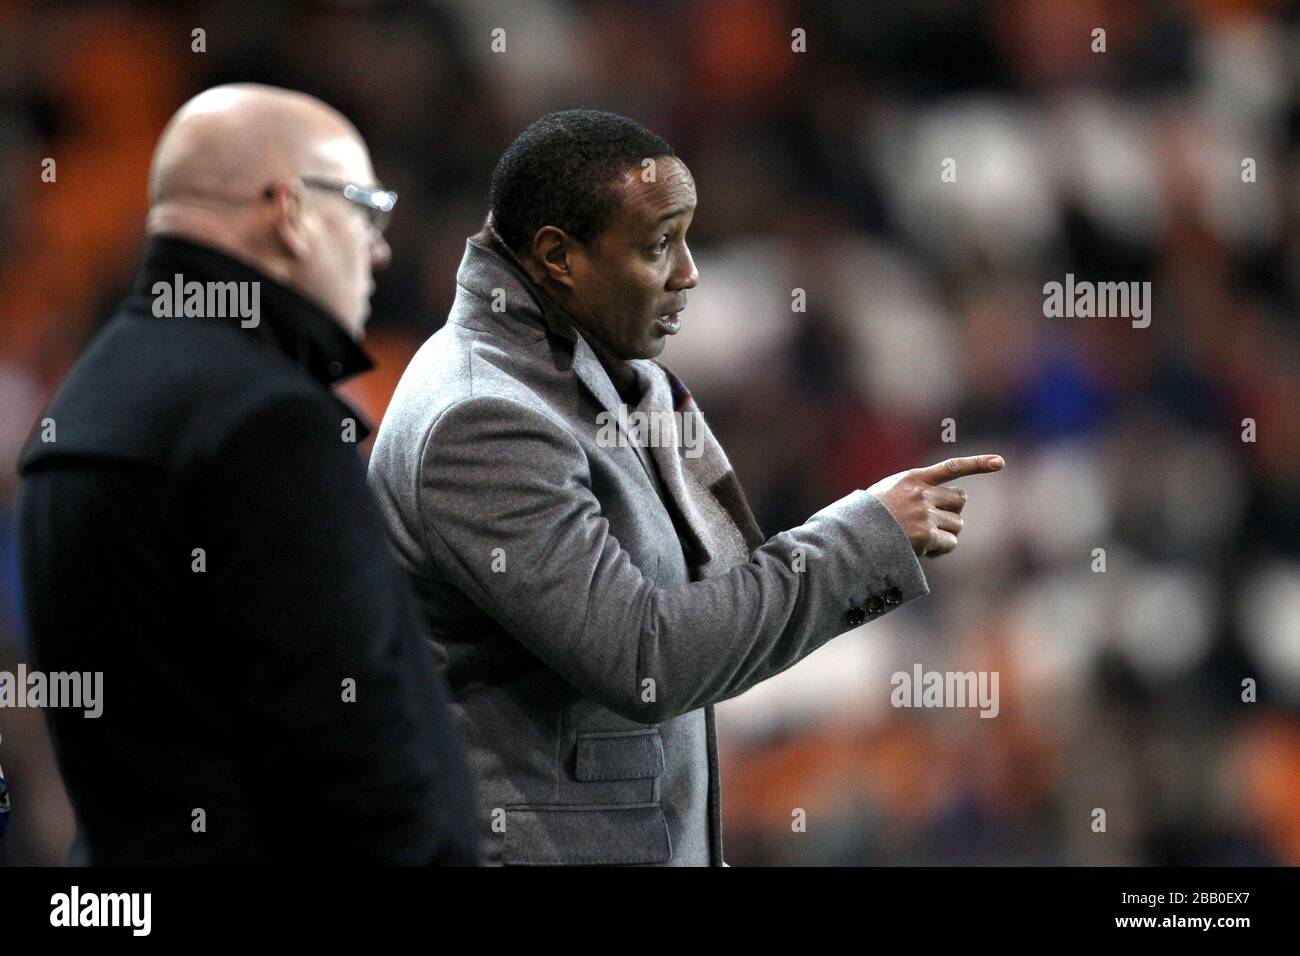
[[712, 514]]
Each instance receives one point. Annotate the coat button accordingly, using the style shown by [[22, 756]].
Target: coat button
[[874, 604], [893, 596], [856, 616]]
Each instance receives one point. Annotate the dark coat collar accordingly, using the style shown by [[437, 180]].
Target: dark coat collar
[[289, 321]]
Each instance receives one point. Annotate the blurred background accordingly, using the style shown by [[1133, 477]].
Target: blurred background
[[821, 171]]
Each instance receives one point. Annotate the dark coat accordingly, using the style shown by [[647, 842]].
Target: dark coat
[[225, 672]]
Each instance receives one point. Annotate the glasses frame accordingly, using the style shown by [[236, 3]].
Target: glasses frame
[[375, 200]]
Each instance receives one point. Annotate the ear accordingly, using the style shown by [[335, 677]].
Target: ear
[[552, 250], [286, 199]]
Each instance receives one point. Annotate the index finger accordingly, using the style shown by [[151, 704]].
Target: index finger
[[960, 468]]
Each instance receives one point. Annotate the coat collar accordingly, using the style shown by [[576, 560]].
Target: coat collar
[[299, 328], [489, 270]]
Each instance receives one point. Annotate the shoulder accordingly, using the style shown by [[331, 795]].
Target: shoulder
[[462, 376], [163, 390]]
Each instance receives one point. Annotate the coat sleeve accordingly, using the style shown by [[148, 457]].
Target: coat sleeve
[[495, 473], [350, 749]]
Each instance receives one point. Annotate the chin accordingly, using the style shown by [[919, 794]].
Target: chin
[[652, 349], [355, 325]]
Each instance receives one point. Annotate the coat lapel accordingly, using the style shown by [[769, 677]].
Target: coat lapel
[[587, 366]]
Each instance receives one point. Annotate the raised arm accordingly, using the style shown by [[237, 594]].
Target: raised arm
[[496, 473]]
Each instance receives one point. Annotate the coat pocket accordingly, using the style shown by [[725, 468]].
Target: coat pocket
[[590, 835], [619, 755]]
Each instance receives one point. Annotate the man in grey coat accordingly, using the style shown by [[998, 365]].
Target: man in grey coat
[[585, 557]]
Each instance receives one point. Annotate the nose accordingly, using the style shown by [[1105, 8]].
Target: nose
[[685, 276], [380, 252]]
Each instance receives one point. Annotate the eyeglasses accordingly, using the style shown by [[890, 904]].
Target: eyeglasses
[[378, 203]]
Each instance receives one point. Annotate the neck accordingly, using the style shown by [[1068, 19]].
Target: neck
[[216, 230]]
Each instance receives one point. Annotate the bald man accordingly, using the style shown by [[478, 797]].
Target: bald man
[[197, 534]]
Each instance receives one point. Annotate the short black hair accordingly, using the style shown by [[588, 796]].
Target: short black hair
[[561, 171]]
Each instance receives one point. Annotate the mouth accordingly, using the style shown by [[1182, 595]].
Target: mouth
[[669, 324]]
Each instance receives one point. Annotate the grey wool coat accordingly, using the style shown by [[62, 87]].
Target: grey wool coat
[[583, 660]]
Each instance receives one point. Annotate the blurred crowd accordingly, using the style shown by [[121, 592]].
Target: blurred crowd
[[858, 312]]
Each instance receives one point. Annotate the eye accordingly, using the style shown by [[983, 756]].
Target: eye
[[662, 244]]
